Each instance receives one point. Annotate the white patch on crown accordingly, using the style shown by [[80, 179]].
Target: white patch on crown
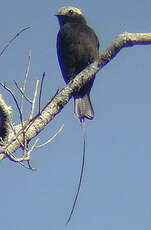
[[65, 9]]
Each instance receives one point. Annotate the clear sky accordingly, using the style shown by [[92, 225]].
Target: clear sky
[[116, 187]]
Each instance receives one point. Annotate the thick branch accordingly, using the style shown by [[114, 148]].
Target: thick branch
[[123, 41], [36, 125]]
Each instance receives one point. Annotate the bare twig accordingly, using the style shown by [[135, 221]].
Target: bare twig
[[23, 94], [8, 44], [27, 167], [47, 142], [26, 156], [34, 99], [30, 167], [25, 81], [41, 86], [32, 148]]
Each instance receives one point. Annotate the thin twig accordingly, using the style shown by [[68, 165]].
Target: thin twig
[[8, 44], [30, 167], [15, 135], [12, 157], [27, 167], [26, 76], [25, 157], [28, 155], [23, 94], [41, 87], [47, 142], [34, 99]]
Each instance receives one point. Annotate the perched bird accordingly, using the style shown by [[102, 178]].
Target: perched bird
[[77, 47]]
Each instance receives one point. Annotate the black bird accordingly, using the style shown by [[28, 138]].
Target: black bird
[[77, 47]]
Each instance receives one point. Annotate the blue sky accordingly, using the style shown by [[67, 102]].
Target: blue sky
[[116, 187]]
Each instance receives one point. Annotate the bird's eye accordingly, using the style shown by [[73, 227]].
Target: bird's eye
[[70, 12]]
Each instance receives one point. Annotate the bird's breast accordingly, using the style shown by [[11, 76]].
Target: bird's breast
[[77, 47]]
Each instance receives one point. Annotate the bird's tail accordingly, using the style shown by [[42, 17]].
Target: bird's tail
[[83, 107]]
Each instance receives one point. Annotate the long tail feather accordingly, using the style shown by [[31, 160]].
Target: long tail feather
[[81, 174]]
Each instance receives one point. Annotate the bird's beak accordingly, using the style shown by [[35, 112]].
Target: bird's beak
[[58, 14]]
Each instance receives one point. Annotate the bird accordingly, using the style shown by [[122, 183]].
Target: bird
[[77, 47]]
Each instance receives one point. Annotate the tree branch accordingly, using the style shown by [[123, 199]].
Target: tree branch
[[57, 103]]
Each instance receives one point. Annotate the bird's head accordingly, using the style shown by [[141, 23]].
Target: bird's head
[[69, 14]]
